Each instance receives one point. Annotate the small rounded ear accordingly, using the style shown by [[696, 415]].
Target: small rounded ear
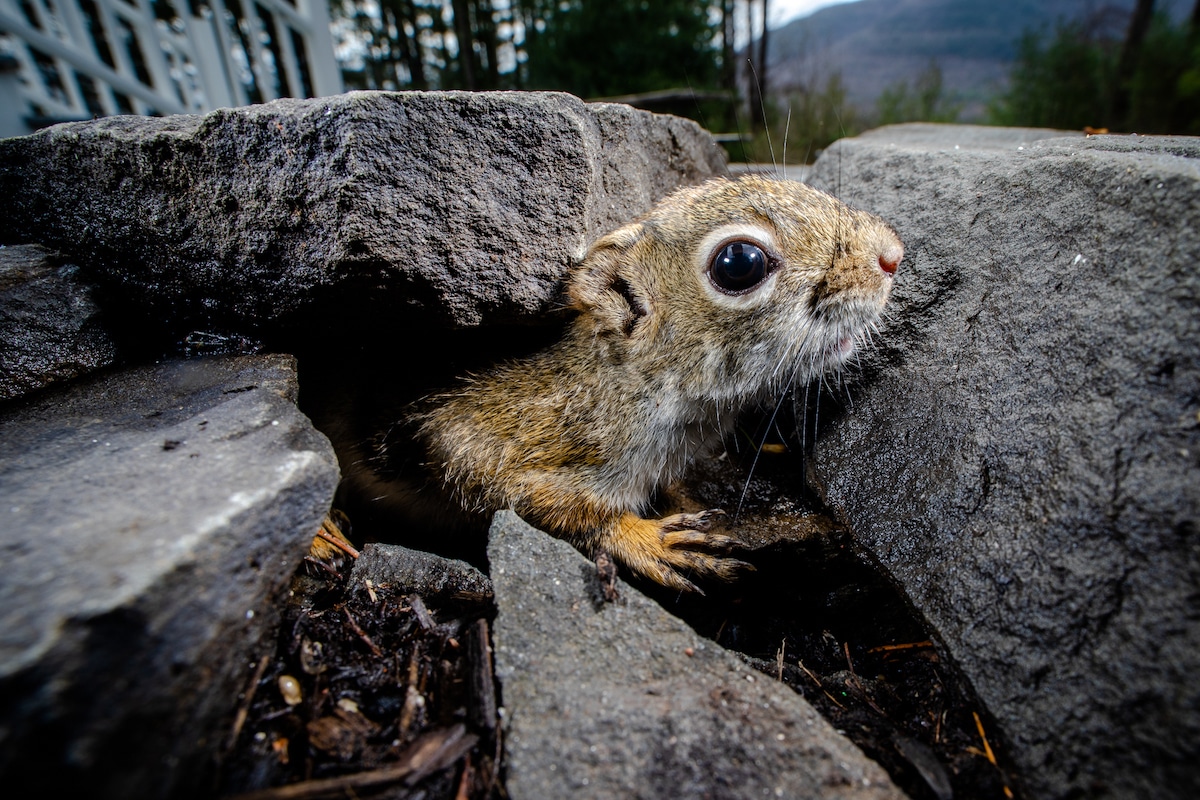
[[608, 285]]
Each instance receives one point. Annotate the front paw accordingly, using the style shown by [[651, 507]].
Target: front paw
[[673, 550]]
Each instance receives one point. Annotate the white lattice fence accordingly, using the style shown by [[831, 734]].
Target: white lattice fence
[[77, 59]]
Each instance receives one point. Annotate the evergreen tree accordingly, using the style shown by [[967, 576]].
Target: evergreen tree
[[924, 101], [598, 48], [1081, 78]]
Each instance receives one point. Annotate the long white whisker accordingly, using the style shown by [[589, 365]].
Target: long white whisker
[[763, 107], [786, 127], [817, 416], [804, 428], [757, 452], [783, 357]]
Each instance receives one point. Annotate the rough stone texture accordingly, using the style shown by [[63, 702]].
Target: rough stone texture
[[1024, 450], [956, 137], [151, 518], [602, 699], [468, 206], [49, 323], [408, 571]]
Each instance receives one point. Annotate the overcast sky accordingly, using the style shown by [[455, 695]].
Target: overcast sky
[[783, 11]]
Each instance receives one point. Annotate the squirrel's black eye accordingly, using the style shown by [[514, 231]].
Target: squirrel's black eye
[[738, 267]]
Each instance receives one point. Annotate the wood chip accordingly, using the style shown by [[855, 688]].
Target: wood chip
[[482, 686], [424, 618]]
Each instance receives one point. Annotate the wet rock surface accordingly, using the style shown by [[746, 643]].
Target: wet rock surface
[[373, 206], [620, 699], [1023, 454], [49, 323], [152, 517]]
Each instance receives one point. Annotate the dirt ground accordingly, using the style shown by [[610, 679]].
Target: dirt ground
[[369, 694]]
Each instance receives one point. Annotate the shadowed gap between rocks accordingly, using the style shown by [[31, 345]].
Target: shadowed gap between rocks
[[817, 613]]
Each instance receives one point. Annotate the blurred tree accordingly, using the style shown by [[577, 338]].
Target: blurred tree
[[1062, 84], [591, 48], [426, 44], [925, 101], [675, 56], [616, 47], [1127, 62], [756, 63], [1164, 89], [1084, 77], [728, 53]]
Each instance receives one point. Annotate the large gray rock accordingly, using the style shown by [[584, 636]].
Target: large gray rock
[[466, 206], [623, 700], [1024, 452], [151, 519], [50, 324]]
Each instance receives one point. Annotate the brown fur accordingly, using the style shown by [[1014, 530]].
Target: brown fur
[[656, 367]]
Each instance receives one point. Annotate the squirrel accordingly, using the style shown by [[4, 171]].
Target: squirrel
[[717, 299]]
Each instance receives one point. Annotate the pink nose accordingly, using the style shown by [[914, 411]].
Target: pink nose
[[890, 259]]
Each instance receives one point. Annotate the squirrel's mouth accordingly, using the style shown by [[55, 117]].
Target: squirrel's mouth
[[835, 354], [839, 352]]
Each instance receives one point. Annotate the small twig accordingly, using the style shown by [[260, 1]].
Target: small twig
[[849, 663], [884, 648], [481, 685], [464, 782], [421, 612], [239, 719], [432, 752], [282, 712], [361, 633], [413, 700], [817, 681], [987, 751], [858, 684], [987, 748], [336, 540], [329, 787]]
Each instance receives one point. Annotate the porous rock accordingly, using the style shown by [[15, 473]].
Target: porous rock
[[367, 206], [620, 699], [151, 519], [49, 323], [1023, 454]]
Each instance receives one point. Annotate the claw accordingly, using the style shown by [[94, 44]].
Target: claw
[[691, 522], [673, 580]]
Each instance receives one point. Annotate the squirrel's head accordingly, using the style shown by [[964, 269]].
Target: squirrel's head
[[738, 286]]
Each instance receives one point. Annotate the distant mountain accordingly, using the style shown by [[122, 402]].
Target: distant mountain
[[875, 44]]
